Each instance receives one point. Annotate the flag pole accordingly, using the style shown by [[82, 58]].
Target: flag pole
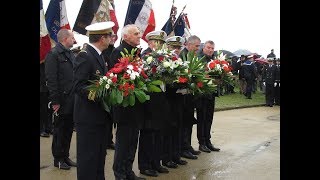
[[179, 16]]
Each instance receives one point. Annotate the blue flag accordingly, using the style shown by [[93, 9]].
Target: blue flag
[[56, 18], [168, 27], [179, 26]]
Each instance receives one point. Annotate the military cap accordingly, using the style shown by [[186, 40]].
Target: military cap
[[175, 41], [100, 28], [250, 56], [156, 35]]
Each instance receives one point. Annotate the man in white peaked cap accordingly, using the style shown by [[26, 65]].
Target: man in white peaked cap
[[91, 120], [155, 40]]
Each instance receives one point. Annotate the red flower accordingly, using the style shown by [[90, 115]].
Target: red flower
[[126, 76], [161, 58], [226, 69], [143, 74], [154, 69], [212, 65], [200, 84], [114, 79], [183, 79], [174, 58]]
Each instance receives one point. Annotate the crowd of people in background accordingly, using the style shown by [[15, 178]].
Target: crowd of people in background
[[162, 126]]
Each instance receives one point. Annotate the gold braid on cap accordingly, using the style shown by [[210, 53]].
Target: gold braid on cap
[[156, 37], [105, 31], [174, 43]]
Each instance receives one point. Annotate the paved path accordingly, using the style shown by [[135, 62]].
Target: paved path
[[250, 149]]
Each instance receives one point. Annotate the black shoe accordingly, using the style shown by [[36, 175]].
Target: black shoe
[[111, 146], [162, 169], [204, 148], [134, 177], [194, 152], [212, 148], [44, 134], [188, 155], [180, 162], [149, 172], [70, 162], [170, 164], [61, 165]]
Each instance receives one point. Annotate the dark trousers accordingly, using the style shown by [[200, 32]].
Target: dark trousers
[[110, 134], [172, 145], [269, 94], [126, 145], [62, 134], [277, 95], [150, 149], [249, 87], [205, 118], [186, 138], [45, 117], [91, 151]]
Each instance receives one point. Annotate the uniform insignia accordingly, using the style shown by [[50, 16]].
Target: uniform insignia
[[97, 72], [82, 50], [161, 35]]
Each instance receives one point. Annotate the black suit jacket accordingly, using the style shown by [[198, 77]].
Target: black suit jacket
[[59, 76], [87, 66], [132, 116]]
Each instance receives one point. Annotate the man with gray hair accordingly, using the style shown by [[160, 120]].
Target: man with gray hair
[[193, 44], [129, 119], [59, 75]]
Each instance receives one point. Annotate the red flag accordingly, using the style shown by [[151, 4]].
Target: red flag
[[113, 18], [140, 13], [186, 20], [45, 44]]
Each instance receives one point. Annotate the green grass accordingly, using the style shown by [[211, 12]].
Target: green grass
[[237, 100]]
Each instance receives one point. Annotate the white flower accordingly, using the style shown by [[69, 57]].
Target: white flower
[[149, 59], [111, 75], [130, 66], [109, 81], [133, 75], [107, 86], [166, 64], [105, 78]]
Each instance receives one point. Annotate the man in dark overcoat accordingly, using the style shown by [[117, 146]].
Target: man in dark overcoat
[[129, 119], [59, 75], [268, 79], [193, 44], [205, 107], [92, 121]]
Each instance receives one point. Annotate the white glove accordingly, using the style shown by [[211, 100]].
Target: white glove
[[279, 84], [182, 91], [275, 84], [264, 83]]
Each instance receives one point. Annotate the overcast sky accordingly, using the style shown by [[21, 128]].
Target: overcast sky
[[231, 24]]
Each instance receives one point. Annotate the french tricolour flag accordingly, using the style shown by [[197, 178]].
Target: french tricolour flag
[[56, 18], [140, 13], [45, 44]]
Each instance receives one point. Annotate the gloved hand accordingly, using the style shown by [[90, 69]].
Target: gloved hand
[[275, 84], [182, 91], [279, 84], [264, 83]]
